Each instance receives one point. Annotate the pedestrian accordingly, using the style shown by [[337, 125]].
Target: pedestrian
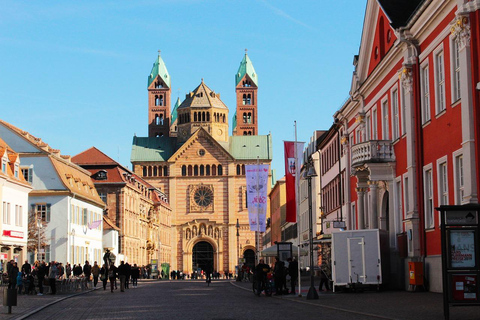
[[324, 279], [122, 275], [12, 275], [26, 268], [41, 272], [95, 273], [52, 277], [128, 268], [293, 272], [104, 276], [278, 272], [68, 270], [61, 270], [19, 282], [77, 270], [135, 275], [87, 272], [112, 275]]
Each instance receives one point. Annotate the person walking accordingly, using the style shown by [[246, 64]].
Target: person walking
[[278, 272], [68, 270], [293, 273], [324, 279], [95, 273], [112, 275], [41, 273], [26, 268], [128, 268], [104, 276], [87, 272], [12, 275], [122, 275], [52, 277], [135, 275]]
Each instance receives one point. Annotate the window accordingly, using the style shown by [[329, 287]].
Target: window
[[18, 215], [367, 126], [399, 207], [220, 170], [425, 94], [442, 183], [6, 212], [455, 71], [440, 82], [4, 165], [428, 195], [459, 180], [385, 122], [405, 194], [27, 174], [103, 196], [43, 211], [396, 115], [184, 171], [404, 109], [374, 125]]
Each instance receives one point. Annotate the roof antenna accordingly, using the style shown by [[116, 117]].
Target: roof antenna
[[246, 51], [159, 52]]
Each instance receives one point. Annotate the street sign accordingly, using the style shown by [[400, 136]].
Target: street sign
[[461, 218], [339, 224]]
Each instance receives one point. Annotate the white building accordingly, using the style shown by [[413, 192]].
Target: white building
[[63, 196], [14, 207]]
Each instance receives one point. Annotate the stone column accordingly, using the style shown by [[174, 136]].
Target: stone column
[[373, 205], [361, 208]]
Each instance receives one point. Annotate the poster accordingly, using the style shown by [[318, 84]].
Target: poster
[[257, 182], [291, 170], [462, 249]]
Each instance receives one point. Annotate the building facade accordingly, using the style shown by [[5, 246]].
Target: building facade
[[411, 126], [64, 198], [139, 211], [201, 168], [14, 191]]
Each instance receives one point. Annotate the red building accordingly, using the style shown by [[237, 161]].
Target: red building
[[411, 126]]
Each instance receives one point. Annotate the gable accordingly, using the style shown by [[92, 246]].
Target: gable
[[201, 140], [383, 40], [246, 82], [158, 81]]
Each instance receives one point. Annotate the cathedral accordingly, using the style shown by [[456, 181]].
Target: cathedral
[[190, 156]]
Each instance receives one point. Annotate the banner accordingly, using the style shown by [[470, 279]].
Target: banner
[[291, 169], [257, 179]]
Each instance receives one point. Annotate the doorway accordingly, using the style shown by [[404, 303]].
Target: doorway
[[202, 255], [249, 256]]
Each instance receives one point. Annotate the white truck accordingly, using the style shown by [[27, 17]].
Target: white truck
[[356, 259]]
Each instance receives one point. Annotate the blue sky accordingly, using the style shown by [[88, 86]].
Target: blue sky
[[75, 73]]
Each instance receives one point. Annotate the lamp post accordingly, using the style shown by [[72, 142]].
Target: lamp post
[[238, 240], [309, 174]]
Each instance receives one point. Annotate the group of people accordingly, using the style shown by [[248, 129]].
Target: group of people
[[26, 277], [124, 272], [265, 275]]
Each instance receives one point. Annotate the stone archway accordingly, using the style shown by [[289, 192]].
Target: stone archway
[[202, 255], [384, 215], [249, 256]]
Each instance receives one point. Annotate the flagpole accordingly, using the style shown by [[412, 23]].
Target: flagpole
[[257, 240], [297, 209]]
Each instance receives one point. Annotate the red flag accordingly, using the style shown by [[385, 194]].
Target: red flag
[[290, 171]]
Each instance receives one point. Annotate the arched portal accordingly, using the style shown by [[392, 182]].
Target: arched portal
[[385, 217], [202, 255], [249, 256]]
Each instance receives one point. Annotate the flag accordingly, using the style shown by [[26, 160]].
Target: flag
[[257, 179], [292, 167]]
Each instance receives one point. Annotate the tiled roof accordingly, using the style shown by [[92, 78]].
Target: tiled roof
[[109, 225], [203, 97], [12, 159], [152, 148], [93, 156], [399, 11]]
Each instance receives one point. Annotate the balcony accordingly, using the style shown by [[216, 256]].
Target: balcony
[[373, 151]]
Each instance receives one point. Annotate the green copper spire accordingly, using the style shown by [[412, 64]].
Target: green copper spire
[[159, 69], [246, 67], [174, 111]]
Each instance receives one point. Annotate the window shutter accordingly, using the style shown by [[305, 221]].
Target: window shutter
[[48, 212]]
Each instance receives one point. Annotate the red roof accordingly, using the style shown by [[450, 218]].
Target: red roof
[[93, 156]]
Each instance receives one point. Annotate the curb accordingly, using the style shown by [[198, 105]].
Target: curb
[[30, 313]]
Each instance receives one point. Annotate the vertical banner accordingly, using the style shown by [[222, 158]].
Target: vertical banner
[[291, 165], [257, 179]]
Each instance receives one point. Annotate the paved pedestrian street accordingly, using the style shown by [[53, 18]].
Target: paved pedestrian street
[[230, 300]]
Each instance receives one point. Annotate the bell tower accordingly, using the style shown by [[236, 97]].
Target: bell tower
[[159, 89], [246, 86]]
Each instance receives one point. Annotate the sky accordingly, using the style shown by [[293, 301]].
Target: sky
[[74, 73]]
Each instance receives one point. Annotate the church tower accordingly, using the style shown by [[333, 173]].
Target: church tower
[[246, 86], [159, 88]]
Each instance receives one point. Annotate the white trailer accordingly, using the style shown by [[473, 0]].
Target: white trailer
[[356, 259]]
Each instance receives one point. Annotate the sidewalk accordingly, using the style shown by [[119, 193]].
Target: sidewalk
[[29, 304], [378, 305]]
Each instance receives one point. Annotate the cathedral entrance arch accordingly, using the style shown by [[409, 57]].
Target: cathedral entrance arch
[[249, 256], [202, 255]]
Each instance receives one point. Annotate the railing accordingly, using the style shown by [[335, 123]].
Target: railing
[[372, 151]]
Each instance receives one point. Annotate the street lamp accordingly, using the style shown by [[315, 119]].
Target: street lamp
[[309, 173], [238, 239]]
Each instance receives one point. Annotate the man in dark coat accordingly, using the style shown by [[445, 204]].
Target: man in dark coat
[[87, 271], [278, 273], [12, 276], [122, 274], [41, 272], [293, 273], [26, 268]]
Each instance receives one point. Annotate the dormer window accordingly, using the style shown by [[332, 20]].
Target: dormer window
[[4, 165], [16, 171], [101, 175]]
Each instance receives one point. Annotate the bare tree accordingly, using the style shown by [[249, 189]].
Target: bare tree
[[34, 233]]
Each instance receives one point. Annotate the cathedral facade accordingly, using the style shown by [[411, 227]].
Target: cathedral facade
[[191, 157]]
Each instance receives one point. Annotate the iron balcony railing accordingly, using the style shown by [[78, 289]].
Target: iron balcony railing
[[372, 151]]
